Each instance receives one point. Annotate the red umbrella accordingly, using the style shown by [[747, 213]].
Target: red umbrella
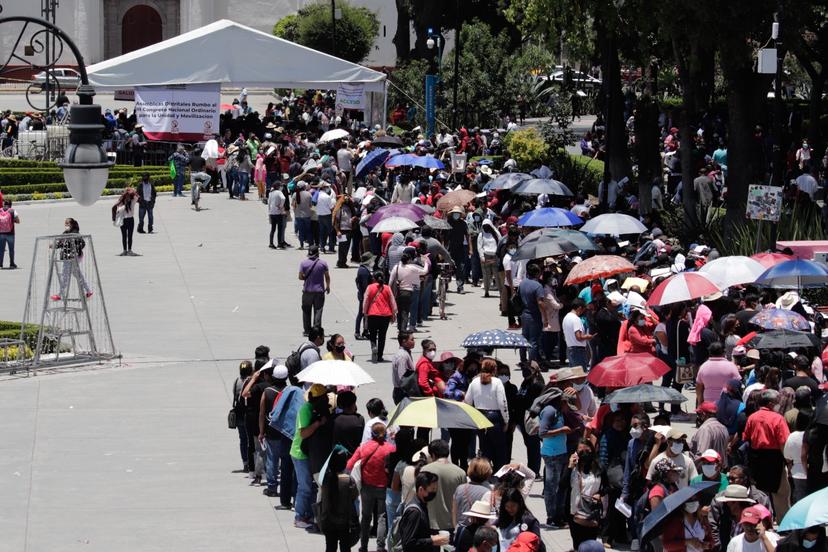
[[599, 266], [627, 370], [227, 107], [771, 259]]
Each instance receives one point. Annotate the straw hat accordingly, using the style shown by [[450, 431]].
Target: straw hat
[[566, 374], [735, 493], [481, 509], [788, 300]]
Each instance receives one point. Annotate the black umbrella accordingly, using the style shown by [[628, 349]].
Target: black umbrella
[[387, 140], [784, 339], [506, 181], [654, 522], [543, 246]]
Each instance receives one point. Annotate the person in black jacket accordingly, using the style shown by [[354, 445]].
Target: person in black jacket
[[415, 531], [337, 512], [364, 277], [530, 389], [146, 202]]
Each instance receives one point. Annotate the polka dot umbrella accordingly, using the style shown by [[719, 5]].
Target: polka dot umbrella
[[495, 339]]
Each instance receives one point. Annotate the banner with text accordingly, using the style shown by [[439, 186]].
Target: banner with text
[[187, 113], [350, 96]]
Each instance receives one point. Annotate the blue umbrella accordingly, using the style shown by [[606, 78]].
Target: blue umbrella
[[655, 519], [411, 160], [372, 160], [549, 216], [485, 162], [811, 511], [495, 339], [795, 274]]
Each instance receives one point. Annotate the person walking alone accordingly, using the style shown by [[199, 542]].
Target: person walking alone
[[123, 216], [379, 307], [276, 211], [146, 202], [316, 279], [8, 218]]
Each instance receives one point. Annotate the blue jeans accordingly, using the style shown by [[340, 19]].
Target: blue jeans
[[142, 212], [326, 237], [304, 490], [4, 240], [178, 182], [392, 503], [553, 468], [279, 468], [272, 449], [577, 356], [303, 230], [244, 182], [531, 329]]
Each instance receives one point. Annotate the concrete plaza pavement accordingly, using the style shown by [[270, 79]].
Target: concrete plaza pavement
[[136, 455]]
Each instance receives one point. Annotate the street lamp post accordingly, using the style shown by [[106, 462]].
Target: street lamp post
[[432, 79], [85, 165]]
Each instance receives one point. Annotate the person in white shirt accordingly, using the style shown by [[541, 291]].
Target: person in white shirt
[[276, 210], [793, 457], [325, 202], [376, 409], [676, 445], [344, 160], [403, 193], [487, 394], [575, 335], [756, 536]]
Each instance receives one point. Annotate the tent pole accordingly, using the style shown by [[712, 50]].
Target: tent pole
[[385, 105]]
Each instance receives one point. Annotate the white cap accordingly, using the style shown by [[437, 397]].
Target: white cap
[[280, 372]]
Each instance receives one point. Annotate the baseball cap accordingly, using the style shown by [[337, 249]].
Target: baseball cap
[[280, 371], [750, 516], [706, 407], [710, 455]]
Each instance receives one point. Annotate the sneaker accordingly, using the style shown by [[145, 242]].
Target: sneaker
[[270, 492], [314, 528], [302, 524], [271, 246], [283, 507], [55, 297], [550, 524], [12, 266]]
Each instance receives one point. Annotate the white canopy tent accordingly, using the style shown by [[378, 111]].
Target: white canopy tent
[[212, 54]]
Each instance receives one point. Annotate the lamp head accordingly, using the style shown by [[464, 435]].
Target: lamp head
[[85, 165], [430, 43]]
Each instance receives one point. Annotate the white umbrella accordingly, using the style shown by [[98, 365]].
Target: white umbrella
[[394, 224], [335, 134], [614, 224], [733, 271], [335, 372]]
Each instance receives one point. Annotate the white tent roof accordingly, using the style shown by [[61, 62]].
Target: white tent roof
[[229, 53]]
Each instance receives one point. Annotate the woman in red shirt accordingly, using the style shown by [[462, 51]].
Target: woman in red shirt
[[639, 333], [379, 308], [429, 378]]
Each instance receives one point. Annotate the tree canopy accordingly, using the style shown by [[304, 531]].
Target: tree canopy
[[313, 27]]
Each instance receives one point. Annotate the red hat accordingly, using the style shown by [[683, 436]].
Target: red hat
[[751, 516], [511, 220], [447, 355], [710, 455], [597, 289], [706, 407]]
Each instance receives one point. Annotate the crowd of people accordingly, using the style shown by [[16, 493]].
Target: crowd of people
[[758, 442]]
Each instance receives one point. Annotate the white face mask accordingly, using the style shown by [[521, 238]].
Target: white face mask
[[808, 543], [691, 507], [430, 355], [709, 470], [579, 386], [677, 447], [504, 378], [636, 432]]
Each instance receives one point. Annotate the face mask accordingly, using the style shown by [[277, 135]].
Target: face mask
[[808, 543], [340, 348], [504, 378], [430, 355], [585, 459], [455, 216], [641, 322], [579, 386], [636, 432], [709, 470], [677, 448], [512, 251], [691, 507], [431, 496], [68, 228]]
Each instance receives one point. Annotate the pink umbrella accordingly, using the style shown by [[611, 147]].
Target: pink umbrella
[[684, 286]]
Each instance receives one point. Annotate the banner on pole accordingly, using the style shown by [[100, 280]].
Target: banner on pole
[[430, 103], [187, 113], [350, 96]]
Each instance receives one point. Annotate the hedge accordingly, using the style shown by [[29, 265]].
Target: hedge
[[595, 166], [39, 196], [11, 330], [10, 178], [61, 186]]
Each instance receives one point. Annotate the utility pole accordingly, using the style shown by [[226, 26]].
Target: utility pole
[[779, 113], [457, 25]]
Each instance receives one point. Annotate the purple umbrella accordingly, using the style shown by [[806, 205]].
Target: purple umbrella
[[780, 319], [405, 210]]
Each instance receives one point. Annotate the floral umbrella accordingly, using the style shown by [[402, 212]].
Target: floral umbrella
[[599, 266], [780, 319]]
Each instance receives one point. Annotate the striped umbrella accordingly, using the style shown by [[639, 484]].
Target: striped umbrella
[[684, 286], [770, 259], [599, 266], [434, 412]]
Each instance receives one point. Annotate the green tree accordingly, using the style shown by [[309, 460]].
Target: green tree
[[312, 26]]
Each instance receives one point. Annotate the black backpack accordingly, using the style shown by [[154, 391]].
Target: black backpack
[[410, 385], [294, 361]]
